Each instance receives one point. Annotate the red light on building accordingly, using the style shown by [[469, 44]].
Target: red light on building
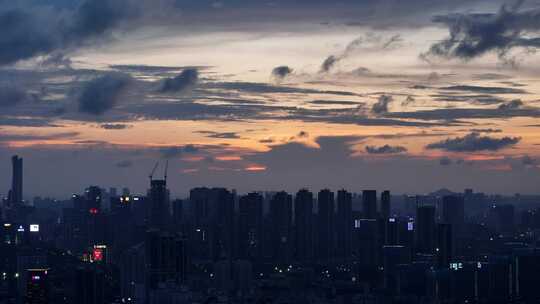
[[93, 211], [97, 255]]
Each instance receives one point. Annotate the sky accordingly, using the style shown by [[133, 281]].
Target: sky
[[411, 96]]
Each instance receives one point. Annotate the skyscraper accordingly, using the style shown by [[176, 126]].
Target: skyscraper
[[37, 286], [425, 229], [158, 196], [325, 224], [250, 217], [385, 204], [369, 204], [453, 212], [344, 225], [280, 221], [303, 221], [445, 245], [16, 192]]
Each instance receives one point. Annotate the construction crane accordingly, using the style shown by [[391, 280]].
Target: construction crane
[[153, 171], [166, 168]]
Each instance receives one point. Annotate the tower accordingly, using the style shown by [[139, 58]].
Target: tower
[[344, 224], [17, 180], [303, 221], [369, 204], [325, 221]]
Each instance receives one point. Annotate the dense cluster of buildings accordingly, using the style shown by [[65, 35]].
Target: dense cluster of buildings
[[217, 246]]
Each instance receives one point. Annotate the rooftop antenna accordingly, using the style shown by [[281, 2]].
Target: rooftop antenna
[[153, 170]]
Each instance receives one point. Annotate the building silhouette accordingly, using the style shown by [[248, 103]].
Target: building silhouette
[[344, 224], [425, 229], [325, 224], [369, 204], [303, 223], [16, 192]]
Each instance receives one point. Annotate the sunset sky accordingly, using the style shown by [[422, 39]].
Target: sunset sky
[[410, 96]]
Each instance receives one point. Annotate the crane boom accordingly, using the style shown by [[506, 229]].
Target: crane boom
[[166, 168], [153, 170]]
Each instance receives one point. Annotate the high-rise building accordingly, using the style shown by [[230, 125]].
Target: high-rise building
[[303, 221], [280, 241], [453, 212], [250, 217], [325, 224], [369, 204], [385, 204], [177, 211], [445, 245], [166, 258], [425, 229], [93, 199], [16, 193], [344, 224], [158, 197], [37, 287]]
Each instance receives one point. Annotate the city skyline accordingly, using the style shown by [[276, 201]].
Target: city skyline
[[355, 95]]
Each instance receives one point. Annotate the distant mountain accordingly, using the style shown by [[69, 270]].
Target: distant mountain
[[443, 192]]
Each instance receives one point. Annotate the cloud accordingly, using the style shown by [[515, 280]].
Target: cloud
[[11, 96], [445, 161], [329, 63], [281, 72], [386, 149], [489, 130], [101, 94], [302, 134], [185, 80], [367, 42], [511, 105], [177, 151], [528, 161], [381, 106], [222, 135], [335, 102], [114, 126], [484, 90], [473, 35], [124, 164], [38, 30], [473, 142]]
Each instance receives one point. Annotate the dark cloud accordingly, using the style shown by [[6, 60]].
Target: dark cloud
[[369, 41], [335, 102], [445, 161], [464, 113], [185, 80], [474, 142], [484, 90], [177, 151], [483, 99], [329, 63], [281, 72], [114, 126], [302, 134], [473, 35], [489, 130], [124, 164], [264, 88], [222, 135], [381, 106], [32, 31], [6, 137], [11, 96], [386, 149], [511, 105], [101, 94]]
